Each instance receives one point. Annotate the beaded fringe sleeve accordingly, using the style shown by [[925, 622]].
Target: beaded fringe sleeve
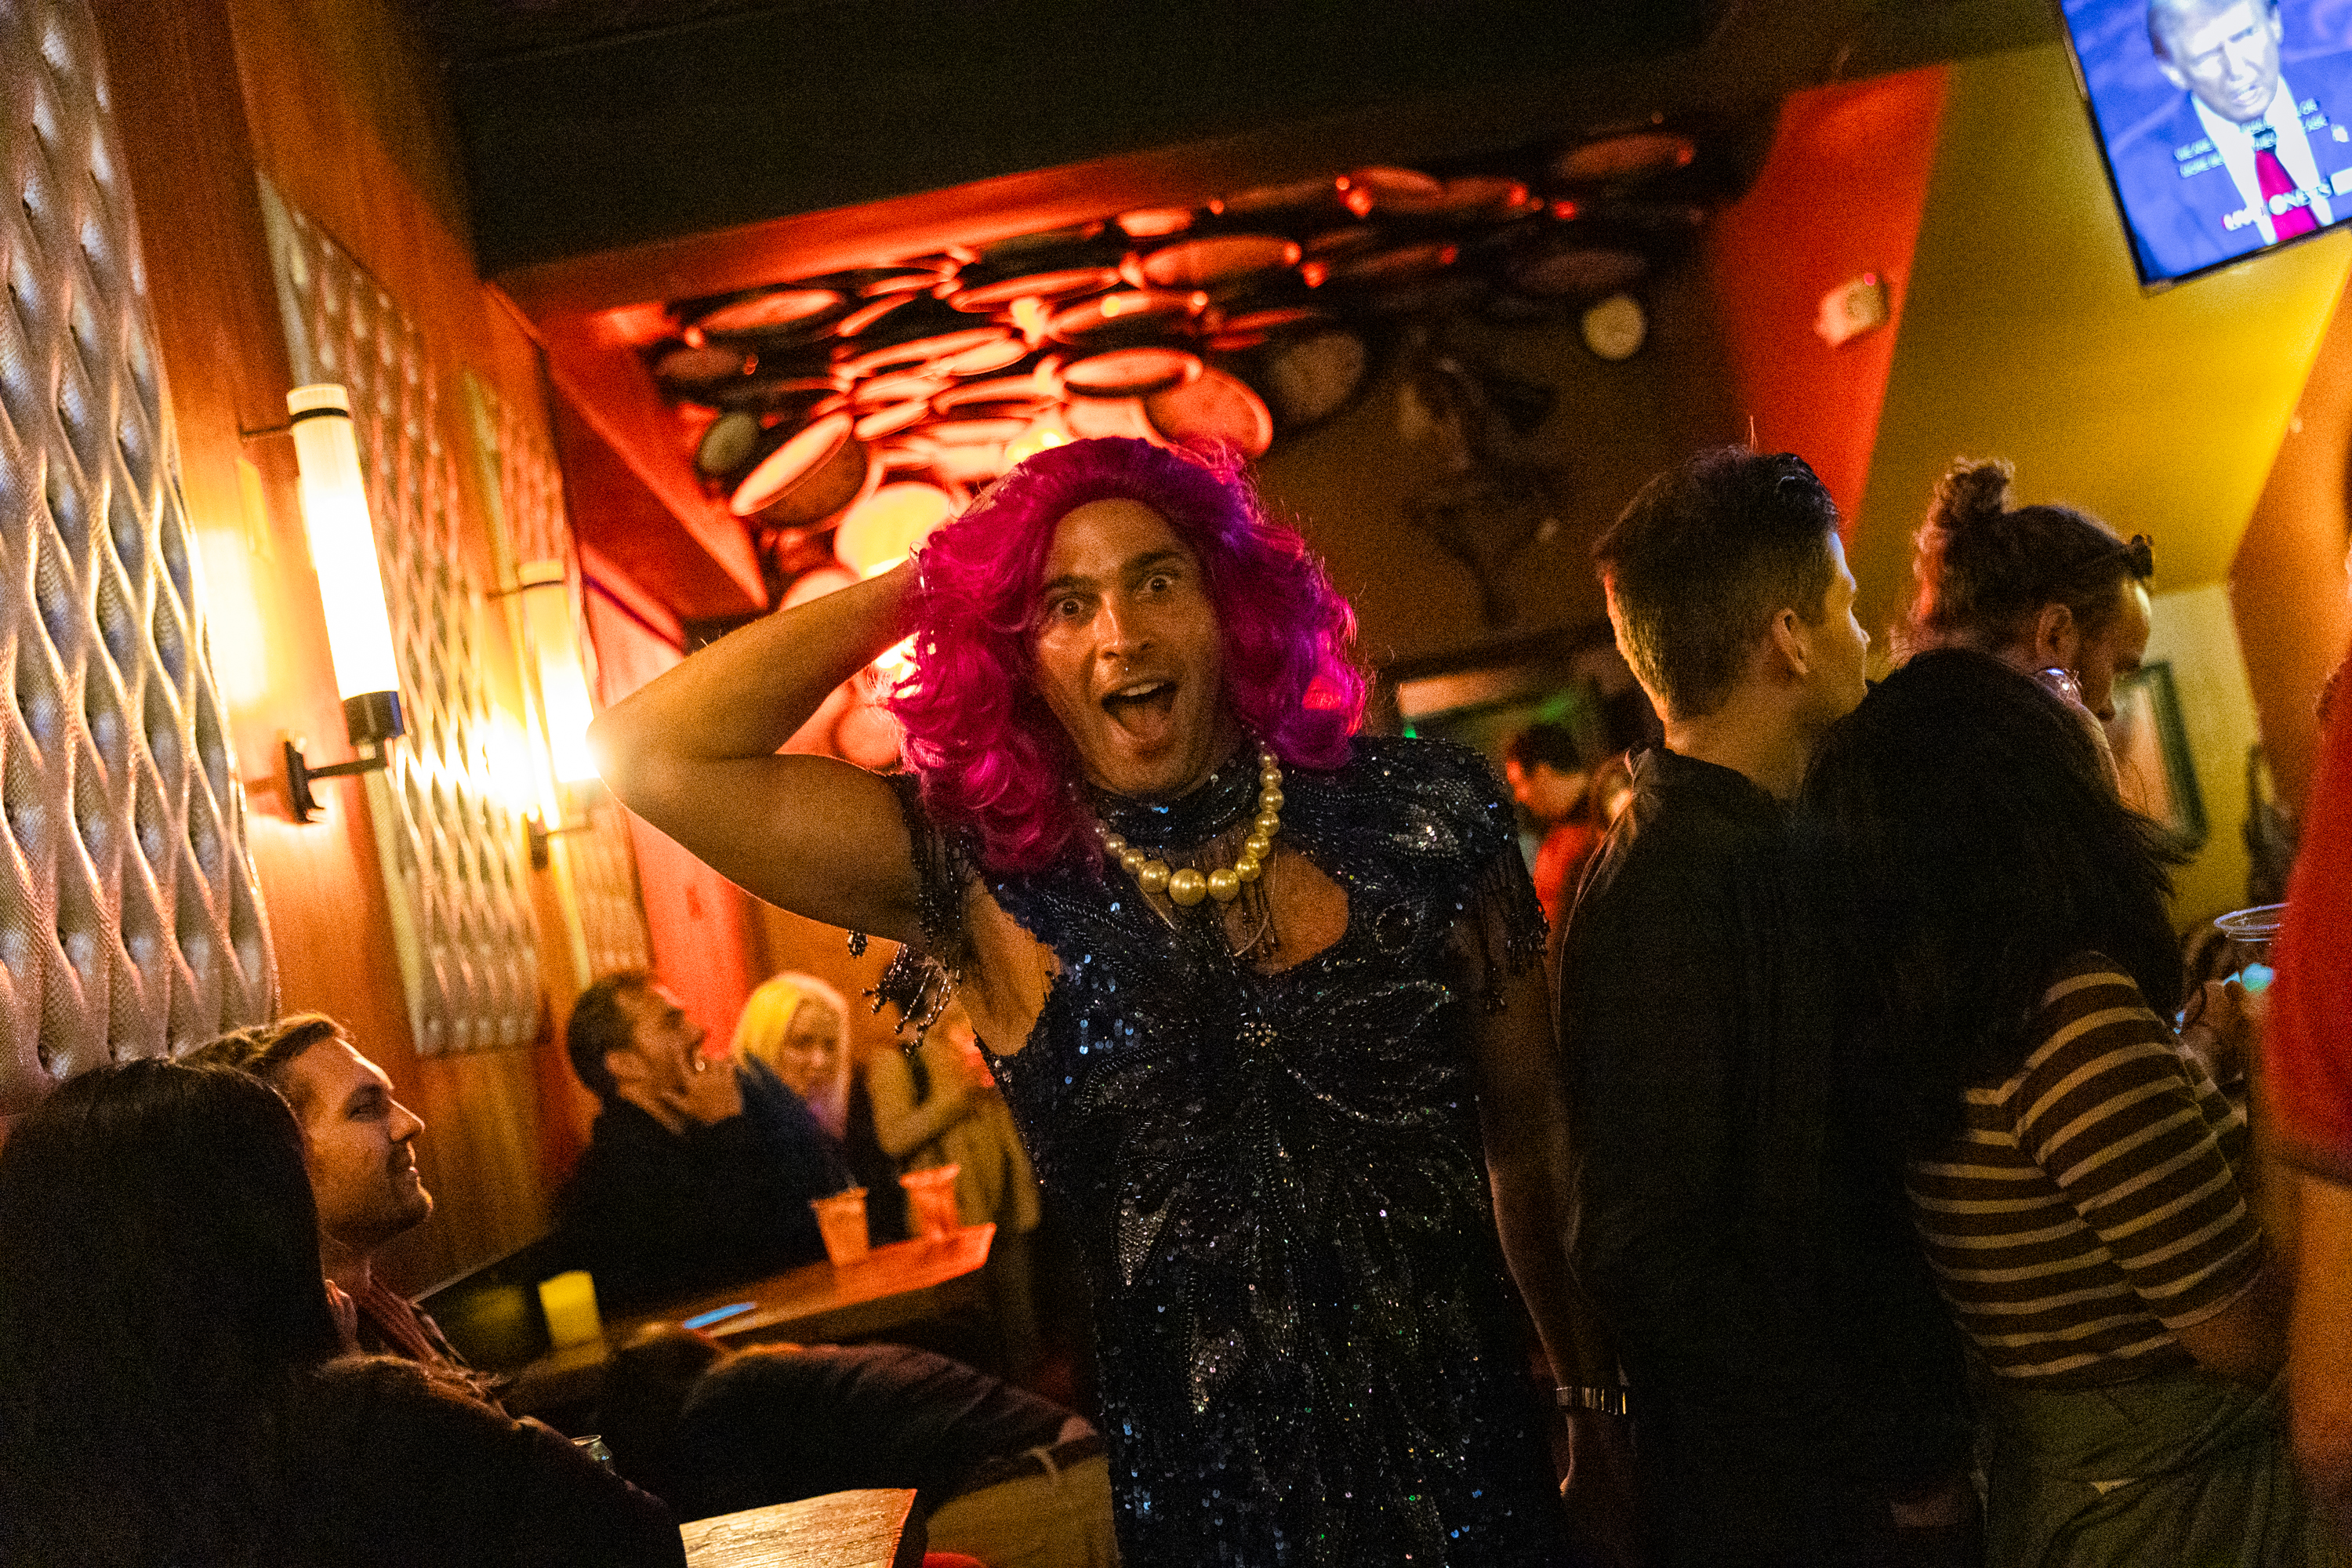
[[1453, 784], [919, 983]]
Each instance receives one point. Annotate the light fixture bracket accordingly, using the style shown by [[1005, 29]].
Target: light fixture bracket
[[373, 719], [542, 836], [586, 796]]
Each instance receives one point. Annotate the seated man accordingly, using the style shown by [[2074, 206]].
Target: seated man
[[698, 1174], [699, 1424], [359, 1143]]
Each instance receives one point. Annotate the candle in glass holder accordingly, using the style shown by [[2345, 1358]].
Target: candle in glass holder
[[570, 1303]]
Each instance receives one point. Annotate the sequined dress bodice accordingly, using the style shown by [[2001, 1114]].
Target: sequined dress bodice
[[1308, 1350]]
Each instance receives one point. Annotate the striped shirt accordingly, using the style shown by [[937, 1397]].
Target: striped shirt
[[2090, 1205]]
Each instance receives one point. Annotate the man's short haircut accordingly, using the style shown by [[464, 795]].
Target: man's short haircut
[[1704, 558], [266, 1051], [2165, 15], [600, 1022], [1549, 745]]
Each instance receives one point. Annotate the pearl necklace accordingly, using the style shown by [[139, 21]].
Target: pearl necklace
[[1187, 886]]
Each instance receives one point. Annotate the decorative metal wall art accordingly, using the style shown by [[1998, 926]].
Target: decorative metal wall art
[[448, 828]]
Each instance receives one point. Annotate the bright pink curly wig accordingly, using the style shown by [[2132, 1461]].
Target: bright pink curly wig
[[990, 755]]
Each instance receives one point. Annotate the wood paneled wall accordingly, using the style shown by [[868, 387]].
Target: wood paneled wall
[[327, 99], [701, 924]]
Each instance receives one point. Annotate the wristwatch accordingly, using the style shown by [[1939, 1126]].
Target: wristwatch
[[1586, 1396]]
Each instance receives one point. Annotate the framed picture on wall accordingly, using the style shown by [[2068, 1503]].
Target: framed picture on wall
[[2152, 753]]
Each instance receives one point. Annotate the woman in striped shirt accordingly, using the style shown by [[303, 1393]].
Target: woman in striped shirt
[[2081, 1184]]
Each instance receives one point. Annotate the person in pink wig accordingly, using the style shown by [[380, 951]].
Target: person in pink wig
[[1265, 995]]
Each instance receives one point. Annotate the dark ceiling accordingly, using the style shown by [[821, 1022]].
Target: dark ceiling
[[622, 155]]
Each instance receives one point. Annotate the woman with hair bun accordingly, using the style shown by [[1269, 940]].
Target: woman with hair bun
[[2041, 588], [1265, 996]]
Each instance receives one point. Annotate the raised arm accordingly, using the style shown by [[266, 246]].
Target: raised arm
[[694, 754]]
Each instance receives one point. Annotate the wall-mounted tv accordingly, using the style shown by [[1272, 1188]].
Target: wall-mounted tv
[[2226, 124]]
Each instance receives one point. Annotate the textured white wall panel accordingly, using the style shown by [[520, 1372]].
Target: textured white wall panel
[[129, 921]]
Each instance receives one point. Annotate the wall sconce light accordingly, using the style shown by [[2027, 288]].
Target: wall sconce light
[[563, 704], [351, 587]]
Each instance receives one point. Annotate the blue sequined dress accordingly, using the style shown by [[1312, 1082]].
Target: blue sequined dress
[[1309, 1351]]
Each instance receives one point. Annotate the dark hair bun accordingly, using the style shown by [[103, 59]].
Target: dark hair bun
[[1973, 494]]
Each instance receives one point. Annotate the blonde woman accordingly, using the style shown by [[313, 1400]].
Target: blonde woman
[[797, 1026]]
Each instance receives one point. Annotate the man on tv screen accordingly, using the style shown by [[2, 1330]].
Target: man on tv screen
[[2250, 156]]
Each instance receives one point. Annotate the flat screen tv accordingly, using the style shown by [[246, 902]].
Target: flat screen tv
[[2226, 128]]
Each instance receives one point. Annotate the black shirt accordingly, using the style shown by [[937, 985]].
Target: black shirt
[[390, 1468], [1741, 1234], [659, 1216]]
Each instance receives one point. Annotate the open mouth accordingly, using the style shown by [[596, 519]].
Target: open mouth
[[1141, 704], [2248, 95]]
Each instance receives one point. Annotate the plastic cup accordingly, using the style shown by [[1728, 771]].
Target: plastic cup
[[841, 1219], [931, 1201], [2252, 931]]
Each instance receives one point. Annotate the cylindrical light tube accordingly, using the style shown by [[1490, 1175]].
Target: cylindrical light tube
[[343, 542], [562, 682]]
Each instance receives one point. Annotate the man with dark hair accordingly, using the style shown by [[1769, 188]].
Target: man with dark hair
[[1550, 780], [602, 1021], [727, 1430], [358, 1142], [1744, 1240], [698, 1174], [2251, 155]]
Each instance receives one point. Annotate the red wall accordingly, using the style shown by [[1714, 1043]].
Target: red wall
[[1841, 195]]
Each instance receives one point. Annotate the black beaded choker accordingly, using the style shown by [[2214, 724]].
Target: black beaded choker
[[1215, 804]]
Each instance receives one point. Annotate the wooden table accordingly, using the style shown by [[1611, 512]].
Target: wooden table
[[846, 1530], [817, 1304]]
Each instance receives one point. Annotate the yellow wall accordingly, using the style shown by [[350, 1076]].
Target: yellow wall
[[2287, 584], [2026, 336], [2195, 634]]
